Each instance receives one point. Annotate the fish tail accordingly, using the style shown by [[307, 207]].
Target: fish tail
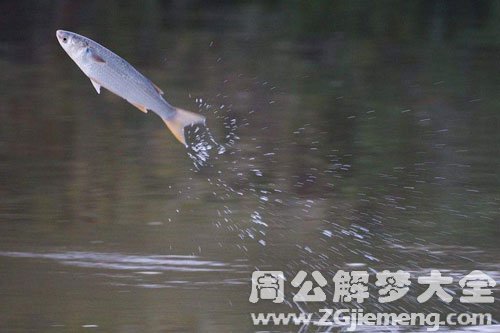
[[177, 121]]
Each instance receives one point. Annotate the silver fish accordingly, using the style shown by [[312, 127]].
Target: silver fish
[[108, 70]]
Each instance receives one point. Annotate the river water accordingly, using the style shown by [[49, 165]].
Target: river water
[[347, 139]]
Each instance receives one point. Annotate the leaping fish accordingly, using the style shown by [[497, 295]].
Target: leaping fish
[[106, 69]]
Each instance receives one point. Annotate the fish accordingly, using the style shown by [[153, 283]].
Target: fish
[[108, 70]]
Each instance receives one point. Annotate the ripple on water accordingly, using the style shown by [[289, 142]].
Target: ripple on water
[[146, 270]]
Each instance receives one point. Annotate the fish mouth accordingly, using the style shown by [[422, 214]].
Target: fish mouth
[[62, 36]]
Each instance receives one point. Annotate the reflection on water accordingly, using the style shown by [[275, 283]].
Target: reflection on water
[[120, 262], [113, 266], [371, 144]]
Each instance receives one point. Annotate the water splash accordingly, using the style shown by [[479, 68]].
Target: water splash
[[202, 146]]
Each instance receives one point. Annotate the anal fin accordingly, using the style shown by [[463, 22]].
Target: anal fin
[[140, 107]]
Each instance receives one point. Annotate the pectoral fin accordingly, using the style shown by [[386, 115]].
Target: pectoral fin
[[140, 107], [94, 56], [96, 85]]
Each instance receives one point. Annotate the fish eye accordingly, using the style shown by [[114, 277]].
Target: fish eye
[[65, 39]]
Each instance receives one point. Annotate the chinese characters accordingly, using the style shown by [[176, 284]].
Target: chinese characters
[[353, 286]]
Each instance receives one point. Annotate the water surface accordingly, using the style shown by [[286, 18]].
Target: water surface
[[368, 143]]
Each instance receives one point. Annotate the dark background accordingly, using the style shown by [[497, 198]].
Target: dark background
[[359, 135]]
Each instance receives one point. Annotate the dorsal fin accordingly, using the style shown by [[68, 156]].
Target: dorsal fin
[[157, 89]]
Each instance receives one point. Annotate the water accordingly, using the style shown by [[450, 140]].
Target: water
[[357, 146]]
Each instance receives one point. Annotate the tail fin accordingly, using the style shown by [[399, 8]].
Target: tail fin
[[179, 120]]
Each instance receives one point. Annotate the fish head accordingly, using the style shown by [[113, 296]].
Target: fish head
[[72, 43]]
